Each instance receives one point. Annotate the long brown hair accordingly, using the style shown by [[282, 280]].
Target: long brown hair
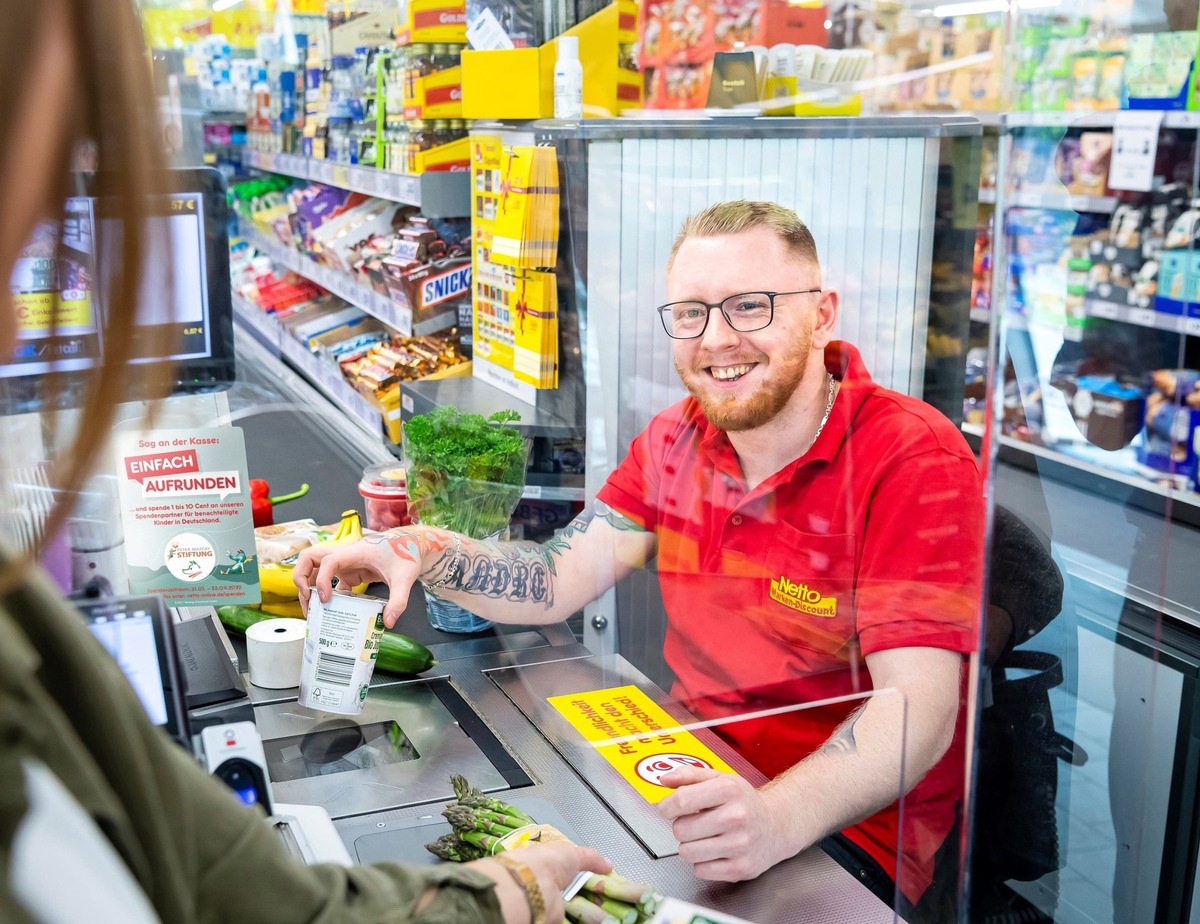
[[113, 122]]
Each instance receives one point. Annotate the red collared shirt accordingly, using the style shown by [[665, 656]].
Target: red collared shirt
[[871, 540]]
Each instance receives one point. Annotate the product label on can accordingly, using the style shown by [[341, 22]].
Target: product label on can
[[340, 651]]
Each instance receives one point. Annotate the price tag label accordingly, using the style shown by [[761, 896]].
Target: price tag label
[[406, 401], [1134, 146], [340, 175], [408, 189], [532, 492], [1146, 317], [1191, 326], [1108, 310], [366, 412]]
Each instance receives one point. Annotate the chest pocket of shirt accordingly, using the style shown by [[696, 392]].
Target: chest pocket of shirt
[[807, 597]]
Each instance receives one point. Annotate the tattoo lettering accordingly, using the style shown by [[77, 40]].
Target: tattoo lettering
[[505, 572], [842, 741]]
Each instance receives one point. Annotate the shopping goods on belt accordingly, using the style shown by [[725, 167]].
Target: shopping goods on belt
[[398, 654], [484, 825]]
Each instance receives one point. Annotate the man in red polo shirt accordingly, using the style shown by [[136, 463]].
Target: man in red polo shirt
[[817, 536]]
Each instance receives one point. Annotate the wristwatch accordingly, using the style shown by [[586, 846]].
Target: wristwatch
[[529, 885]]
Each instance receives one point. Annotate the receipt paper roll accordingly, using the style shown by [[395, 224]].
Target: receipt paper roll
[[274, 648]]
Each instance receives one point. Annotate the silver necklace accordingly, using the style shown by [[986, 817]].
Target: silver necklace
[[832, 390]]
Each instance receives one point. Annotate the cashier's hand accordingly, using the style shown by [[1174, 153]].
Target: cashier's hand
[[726, 828], [394, 558], [554, 865]]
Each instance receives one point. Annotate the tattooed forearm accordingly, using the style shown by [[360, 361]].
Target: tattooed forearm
[[842, 741], [598, 511], [512, 571]]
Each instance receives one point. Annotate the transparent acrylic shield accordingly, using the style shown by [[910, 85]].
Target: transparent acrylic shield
[[727, 840]]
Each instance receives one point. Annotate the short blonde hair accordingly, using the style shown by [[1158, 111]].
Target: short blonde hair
[[743, 215]]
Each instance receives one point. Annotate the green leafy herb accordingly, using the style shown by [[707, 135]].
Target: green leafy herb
[[465, 472]]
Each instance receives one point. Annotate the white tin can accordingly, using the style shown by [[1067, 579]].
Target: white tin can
[[340, 651]]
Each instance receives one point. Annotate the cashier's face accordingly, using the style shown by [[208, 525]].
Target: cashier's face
[[744, 380], [31, 155]]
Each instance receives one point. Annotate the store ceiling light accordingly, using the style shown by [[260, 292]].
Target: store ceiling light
[[221, 5], [980, 7]]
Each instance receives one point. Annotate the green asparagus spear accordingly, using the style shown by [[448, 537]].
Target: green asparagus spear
[[616, 886], [581, 911], [451, 847], [462, 818], [490, 843], [470, 796], [623, 912]]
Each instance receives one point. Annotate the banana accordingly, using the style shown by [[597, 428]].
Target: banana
[[275, 580], [292, 609]]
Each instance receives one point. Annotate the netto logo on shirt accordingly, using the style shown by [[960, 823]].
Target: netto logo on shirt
[[803, 598]]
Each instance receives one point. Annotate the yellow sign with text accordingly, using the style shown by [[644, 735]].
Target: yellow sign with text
[[40, 312], [636, 736]]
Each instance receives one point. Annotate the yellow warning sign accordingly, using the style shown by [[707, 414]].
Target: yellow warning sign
[[636, 736]]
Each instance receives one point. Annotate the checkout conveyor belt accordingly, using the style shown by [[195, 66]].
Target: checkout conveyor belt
[[481, 711]]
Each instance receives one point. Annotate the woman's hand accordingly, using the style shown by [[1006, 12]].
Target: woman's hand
[[554, 865]]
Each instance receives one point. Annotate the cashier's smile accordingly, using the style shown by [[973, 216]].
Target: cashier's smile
[[803, 598]]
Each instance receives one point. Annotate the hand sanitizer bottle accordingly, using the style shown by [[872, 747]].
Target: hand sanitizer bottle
[[568, 79]]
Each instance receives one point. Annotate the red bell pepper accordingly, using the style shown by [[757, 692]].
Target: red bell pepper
[[262, 504]]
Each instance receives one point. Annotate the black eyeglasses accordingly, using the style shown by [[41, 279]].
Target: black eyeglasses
[[746, 312]]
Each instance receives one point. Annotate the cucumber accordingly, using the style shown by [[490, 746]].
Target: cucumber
[[240, 618], [398, 654]]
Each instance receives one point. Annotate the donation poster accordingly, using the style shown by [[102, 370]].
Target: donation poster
[[185, 506]]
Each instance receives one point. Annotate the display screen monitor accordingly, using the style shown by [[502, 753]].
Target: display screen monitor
[[184, 285], [138, 633]]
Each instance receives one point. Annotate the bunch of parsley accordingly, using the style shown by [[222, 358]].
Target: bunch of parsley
[[465, 472]]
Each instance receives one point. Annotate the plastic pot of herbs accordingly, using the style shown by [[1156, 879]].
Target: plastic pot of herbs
[[466, 473]]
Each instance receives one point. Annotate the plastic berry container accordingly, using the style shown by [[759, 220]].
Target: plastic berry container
[[385, 496]]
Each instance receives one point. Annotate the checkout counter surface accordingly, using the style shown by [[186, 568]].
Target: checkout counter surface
[[482, 712]]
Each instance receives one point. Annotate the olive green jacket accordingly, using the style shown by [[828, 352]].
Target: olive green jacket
[[197, 854]]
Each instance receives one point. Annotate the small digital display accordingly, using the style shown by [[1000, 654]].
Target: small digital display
[[337, 746], [129, 638]]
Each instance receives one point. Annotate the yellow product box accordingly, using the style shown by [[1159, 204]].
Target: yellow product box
[[454, 156], [518, 83], [784, 88], [436, 96], [627, 21], [630, 90], [636, 736], [432, 21], [388, 400]]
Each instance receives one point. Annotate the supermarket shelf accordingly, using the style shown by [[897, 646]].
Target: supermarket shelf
[[397, 316], [1142, 317], [1171, 119], [1062, 201], [987, 195], [328, 381], [437, 194], [323, 375], [981, 316], [1161, 493], [478, 397]]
